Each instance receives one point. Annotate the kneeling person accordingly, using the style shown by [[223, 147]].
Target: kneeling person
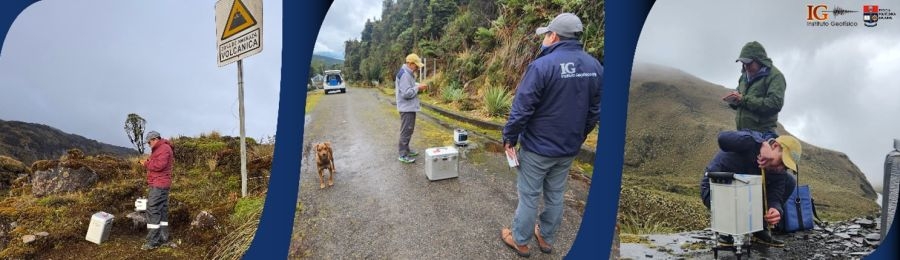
[[748, 152]]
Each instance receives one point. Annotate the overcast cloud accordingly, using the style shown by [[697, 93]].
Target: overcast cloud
[[82, 66], [842, 91], [344, 21]]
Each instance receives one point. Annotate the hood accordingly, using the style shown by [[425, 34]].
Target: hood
[[754, 50]]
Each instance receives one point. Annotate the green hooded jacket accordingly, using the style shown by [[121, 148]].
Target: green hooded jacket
[[762, 95]]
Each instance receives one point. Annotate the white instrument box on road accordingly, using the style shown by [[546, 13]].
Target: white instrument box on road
[[441, 163]]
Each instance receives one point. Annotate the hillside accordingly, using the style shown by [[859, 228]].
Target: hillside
[[673, 120], [475, 50], [29, 142], [206, 178], [328, 61]]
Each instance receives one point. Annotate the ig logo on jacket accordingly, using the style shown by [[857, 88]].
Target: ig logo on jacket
[[568, 71]]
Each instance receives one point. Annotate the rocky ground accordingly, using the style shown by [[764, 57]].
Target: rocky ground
[[854, 238]]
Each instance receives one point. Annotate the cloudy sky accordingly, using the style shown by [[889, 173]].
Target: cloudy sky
[[842, 91], [82, 66], [345, 20]]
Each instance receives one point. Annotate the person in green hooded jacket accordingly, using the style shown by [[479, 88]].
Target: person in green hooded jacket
[[760, 91]]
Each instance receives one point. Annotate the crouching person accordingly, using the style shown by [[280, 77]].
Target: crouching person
[[747, 152], [159, 178]]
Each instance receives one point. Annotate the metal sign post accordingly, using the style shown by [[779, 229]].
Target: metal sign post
[[238, 36], [240, 65]]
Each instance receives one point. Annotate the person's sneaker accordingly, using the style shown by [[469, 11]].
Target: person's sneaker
[[726, 240], [412, 154], [765, 238], [406, 159], [148, 247]]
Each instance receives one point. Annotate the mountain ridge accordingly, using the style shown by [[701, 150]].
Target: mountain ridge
[[29, 142], [673, 120]]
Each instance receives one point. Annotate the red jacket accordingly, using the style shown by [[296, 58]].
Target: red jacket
[[159, 165]]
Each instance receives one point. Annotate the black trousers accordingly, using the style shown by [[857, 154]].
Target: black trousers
[[158, 213], [407, 125]]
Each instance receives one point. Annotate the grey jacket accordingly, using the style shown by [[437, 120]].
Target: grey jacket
[[406, 91]]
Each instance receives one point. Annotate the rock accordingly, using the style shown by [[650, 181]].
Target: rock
[[854, 226], [28, 239], [866, 223], [872, 243], [648, 256], [62, 179], [858, 240], [830, 230], [204, 220], [10, 170], [42, 234], [843, 235], [873, 236], [859, 254], [138, 219]]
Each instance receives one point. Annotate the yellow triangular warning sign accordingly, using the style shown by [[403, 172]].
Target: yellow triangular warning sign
[[238, 20]]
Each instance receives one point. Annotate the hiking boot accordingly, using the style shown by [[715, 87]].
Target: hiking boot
[[406, 159], [545, 247], [148, 246], [507, 237], [412, 154], [726, 240], [765, 238]]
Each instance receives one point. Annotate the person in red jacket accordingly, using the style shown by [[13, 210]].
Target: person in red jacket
[[159, 178]]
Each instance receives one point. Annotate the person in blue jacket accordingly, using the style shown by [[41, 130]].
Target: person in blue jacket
[[556, 106], [749, 152]]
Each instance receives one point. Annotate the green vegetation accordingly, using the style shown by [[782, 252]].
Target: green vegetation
[[206, 178], [312, 98], [673, 121], [497, 101], [320, 64], [469, 45]]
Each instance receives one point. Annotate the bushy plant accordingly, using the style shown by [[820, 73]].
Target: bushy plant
[[452, 93], [497, 101]]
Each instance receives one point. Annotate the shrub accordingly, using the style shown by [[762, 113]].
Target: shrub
[[497, 101], [450, 94]]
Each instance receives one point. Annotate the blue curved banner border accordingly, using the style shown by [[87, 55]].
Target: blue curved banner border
[[302, 20]]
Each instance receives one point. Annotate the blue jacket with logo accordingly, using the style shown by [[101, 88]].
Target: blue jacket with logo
[[557, 103]]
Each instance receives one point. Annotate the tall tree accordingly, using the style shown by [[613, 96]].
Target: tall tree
[[134, 128]]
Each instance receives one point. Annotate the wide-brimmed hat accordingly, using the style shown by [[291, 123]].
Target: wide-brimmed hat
[[790, 151], [413, 58]]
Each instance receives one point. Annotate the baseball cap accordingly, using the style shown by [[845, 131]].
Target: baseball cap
[[151, 135], [565, 24], [414, 59], [790, 151]]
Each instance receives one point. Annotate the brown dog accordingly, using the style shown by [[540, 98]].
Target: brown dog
[[325, 160]]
